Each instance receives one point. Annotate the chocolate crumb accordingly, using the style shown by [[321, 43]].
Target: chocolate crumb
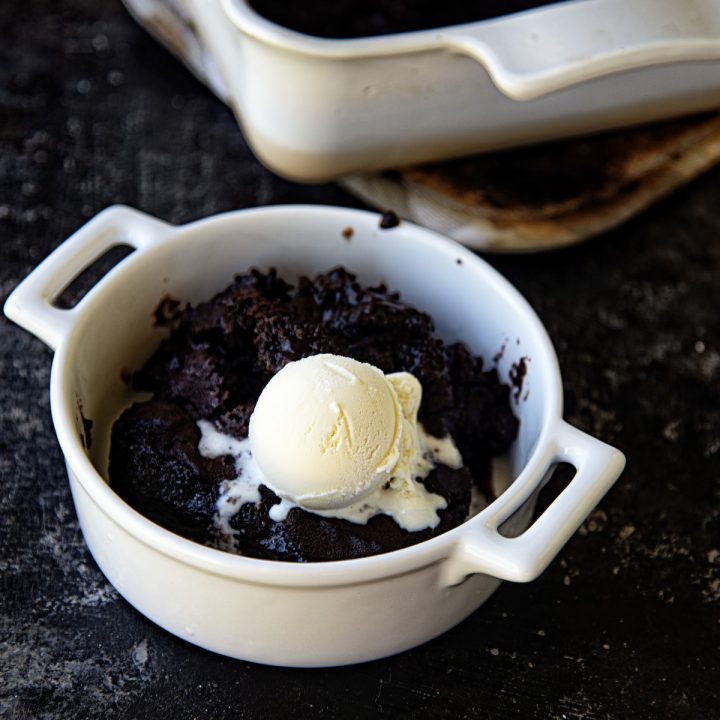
[[166, 312], [347, 233], [497, 357], [517, 376], [389, 219]]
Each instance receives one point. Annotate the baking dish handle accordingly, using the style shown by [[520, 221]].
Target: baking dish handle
[[533, 54], [523, 558], [31, 304]]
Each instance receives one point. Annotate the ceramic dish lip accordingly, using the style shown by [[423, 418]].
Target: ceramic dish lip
[[501, 44], [271, 572]]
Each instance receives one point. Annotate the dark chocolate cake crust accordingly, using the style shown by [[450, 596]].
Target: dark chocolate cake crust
[[222, 353]]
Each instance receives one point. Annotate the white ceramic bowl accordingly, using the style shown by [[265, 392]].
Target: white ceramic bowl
[[314, 108], [283, 613]]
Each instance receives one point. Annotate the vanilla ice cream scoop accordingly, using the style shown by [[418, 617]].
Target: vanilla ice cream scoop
[[327, 431]]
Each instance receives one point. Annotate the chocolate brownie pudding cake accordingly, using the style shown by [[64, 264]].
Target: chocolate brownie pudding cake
[[354, 19], [205, 380]]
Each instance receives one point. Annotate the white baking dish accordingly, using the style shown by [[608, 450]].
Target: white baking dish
[[284, 613], [314, 109]]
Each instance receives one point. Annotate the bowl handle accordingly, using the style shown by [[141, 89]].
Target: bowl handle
[[533, 54], [31, 303], [521, 559]]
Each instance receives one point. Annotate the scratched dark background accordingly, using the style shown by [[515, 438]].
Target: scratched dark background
[[624, 624]]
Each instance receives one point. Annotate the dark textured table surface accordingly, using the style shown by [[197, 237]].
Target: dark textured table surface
[[626, 621]]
